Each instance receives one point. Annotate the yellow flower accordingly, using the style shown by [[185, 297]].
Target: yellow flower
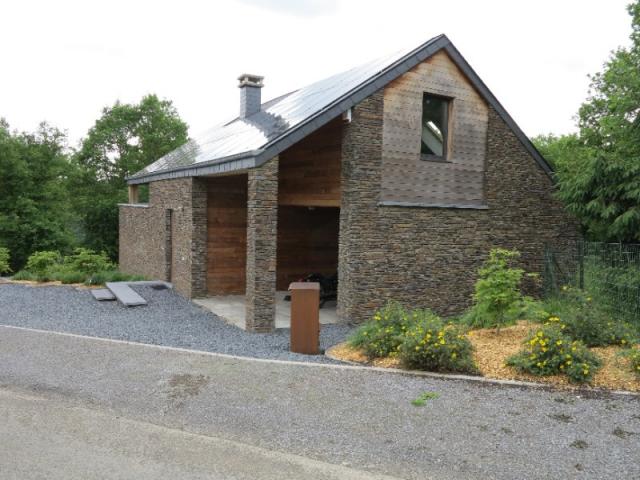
[[454, 355], [559, 342], [417, 348], [442, 342]]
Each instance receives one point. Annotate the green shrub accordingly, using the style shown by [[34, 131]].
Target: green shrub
[[582, 318], [381, 336], [88, 262], [39, 263], [68, 276], [25, 275], [497, 298], [4, 260], [549, 351], [634, 361], [100, 278], [430, 344]]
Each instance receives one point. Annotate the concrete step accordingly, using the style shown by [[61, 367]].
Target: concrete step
[[102, 294], [125, 294]]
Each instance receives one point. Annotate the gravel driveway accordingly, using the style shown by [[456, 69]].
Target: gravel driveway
[[168, 319]]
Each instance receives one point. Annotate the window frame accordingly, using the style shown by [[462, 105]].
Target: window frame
[[429, 157]]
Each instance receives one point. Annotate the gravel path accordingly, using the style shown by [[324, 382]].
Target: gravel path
[[168, 319], [348, 416]]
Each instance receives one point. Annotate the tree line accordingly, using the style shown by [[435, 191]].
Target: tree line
[[53, 197]]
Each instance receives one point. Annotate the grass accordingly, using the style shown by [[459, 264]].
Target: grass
[[422, 400]]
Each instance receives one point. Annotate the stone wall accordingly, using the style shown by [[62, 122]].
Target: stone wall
[[428, 257], [151, 246]]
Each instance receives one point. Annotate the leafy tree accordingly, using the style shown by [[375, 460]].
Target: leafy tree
[[599, 171], [124, 140], [35, 212]]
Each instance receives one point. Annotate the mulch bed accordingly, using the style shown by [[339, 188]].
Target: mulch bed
[[492, 348]]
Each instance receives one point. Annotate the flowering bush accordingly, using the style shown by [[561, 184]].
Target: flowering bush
[[549, 351], [430, 344], [381, 336], [579, 317]]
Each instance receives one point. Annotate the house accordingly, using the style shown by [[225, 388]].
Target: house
[[400, 175]]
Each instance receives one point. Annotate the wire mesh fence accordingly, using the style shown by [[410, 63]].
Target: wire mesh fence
[[610, 272]]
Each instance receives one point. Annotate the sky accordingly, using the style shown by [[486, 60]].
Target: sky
[[64, 61]]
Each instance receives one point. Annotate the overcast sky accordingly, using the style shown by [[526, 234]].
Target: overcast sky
[[63, 61]]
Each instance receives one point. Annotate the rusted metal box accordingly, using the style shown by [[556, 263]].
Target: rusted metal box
[[305, 317]]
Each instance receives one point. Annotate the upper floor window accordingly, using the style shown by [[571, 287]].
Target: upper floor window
[[435, 122]]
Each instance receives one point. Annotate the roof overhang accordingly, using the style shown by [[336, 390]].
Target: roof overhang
[[338, 107]]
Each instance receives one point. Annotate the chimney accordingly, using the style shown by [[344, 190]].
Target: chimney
[[250, 86]]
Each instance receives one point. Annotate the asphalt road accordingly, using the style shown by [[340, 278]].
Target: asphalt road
[[75, 407]]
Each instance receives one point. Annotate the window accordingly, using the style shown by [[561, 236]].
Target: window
[[435, 118]]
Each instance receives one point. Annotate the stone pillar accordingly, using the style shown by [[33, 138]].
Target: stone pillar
[[199, 237], [362, 252], [262, 231]]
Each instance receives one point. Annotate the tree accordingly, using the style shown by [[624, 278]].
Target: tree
[[601, 184], [124, 140], [35, 212]]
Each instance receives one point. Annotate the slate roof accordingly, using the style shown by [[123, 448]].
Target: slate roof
[[248, 142]]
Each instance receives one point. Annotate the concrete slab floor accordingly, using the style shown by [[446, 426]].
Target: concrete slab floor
[[231, 308]]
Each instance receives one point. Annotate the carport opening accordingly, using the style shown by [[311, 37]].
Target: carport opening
[[307, 244]]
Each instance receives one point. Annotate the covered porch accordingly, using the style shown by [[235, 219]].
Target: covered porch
[[273, 225]]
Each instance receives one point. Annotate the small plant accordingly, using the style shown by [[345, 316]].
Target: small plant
[[4, 260], [633, 356], [430, 344], [423, 398], [498, 301], [88, 262], [39, 263], [578, 316], [549, 351], [382, 335]]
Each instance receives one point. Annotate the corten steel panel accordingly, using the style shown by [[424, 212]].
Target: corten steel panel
[[305, 317]]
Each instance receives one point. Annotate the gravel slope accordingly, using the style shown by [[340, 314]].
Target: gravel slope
[[168, 319]]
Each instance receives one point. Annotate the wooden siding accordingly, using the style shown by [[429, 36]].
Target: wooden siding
[[226, 235], [309, 172], [307, 243], [405, 176]]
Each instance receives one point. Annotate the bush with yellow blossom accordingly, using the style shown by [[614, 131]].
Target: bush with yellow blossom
[[431, 344], [549, 351], [381, 336]]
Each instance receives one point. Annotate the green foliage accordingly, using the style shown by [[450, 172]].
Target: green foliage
[[4, 260], [124, 140], [497, 299], [83, 265], [430, 344], [634, 361], [599, 171], [381, 336], [549, 351], [35, 208], [100, 278], [423, 398], [40, 263], [88, 262], [581, 318]]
